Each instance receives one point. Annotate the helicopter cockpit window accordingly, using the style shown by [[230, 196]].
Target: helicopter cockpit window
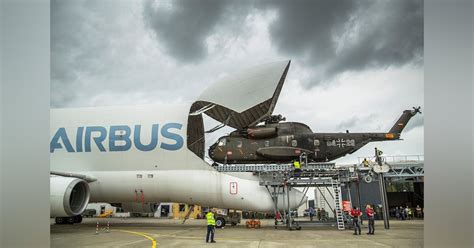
[[222, 142]]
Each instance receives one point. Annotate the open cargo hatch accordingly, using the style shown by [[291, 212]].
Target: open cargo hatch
[[245, 98]]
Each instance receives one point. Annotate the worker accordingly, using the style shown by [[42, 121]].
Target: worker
[[365, 162], [370, 215], [355, 214], [297, 167], [418, 211], [319, 214], [311, 213], [324, 215], [211, 225]]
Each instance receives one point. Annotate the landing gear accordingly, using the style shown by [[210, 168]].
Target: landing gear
[[60, 220], [68, 220], [77, 219]]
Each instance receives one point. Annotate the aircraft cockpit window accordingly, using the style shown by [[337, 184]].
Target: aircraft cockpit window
[[222, 142]]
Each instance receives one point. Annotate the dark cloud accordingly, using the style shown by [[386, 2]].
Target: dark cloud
[[95, 45], [79, 31], [327, 37], [184, 27], [333, 37], [393, 37], [305, 27]]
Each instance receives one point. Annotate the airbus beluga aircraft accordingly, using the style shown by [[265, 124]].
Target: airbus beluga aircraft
[[140, 156]]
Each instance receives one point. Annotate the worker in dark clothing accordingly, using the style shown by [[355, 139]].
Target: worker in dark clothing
[[356, 213], [370, 215], [324, 216], [311, 213], [211, 226]]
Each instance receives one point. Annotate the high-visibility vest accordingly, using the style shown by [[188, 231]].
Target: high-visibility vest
[[210, 219], [297, 164]]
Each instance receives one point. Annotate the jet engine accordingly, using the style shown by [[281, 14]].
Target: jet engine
[[69, 196]]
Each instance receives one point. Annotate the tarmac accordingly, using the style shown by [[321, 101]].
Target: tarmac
[[156, 232]]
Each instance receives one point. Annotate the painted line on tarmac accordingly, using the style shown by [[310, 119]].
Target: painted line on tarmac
[[174, 235], [153, 241]]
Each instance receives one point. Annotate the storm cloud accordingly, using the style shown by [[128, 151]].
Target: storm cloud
[[338, 36], [183, 26], [328, 37]]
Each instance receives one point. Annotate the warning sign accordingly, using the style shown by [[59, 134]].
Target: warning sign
[[233, 188]]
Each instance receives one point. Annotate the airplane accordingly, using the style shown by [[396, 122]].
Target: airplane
[[275, 142], [139, 156]]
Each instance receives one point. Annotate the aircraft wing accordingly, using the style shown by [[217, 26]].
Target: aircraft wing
[[245, 98]]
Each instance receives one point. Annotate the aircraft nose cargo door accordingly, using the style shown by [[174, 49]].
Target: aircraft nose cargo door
[[245, 98]]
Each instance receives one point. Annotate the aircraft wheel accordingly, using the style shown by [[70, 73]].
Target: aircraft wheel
[[59, 220], [220, 222], [71, 220], [77, 219]]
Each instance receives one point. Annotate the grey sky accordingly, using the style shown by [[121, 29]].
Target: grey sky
[[355, 64]]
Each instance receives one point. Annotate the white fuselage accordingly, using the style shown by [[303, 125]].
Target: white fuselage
[[139, 154]]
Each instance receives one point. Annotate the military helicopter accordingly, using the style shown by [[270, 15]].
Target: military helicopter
[[281, 142]]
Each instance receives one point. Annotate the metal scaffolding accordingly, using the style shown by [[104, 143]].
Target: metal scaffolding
[[279, 179]]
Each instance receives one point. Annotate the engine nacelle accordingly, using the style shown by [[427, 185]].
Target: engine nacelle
[[69, 196], [260, 132], [138, 207]]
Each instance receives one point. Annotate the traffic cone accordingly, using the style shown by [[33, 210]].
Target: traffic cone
[[97, 228]]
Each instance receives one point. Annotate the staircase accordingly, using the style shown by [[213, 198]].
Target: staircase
[[336, 185], [191, 208]]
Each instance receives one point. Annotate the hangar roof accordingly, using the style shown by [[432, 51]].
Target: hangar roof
[[243, 99]]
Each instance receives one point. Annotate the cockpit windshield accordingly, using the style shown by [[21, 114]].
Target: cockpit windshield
[[222, 142]]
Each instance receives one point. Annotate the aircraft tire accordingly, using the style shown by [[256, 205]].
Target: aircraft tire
[[71, 220], [77, 219], [59, 220], [220, 222]]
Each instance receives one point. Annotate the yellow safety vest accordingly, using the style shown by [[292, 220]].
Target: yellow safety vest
[[210, 219], [366, 163], [297, 165]]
